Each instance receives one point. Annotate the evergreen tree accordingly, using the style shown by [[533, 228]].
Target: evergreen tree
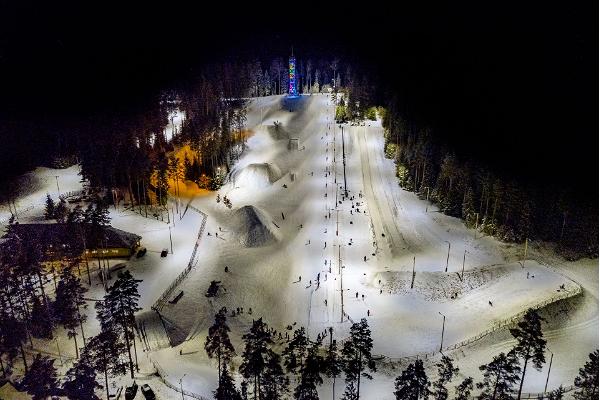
[[350, 392], [275, 383], [75, 215], [69, 298], [295, 351], [530, 343], [61, 211], [104, 354], [217, 342], [310, 376], [41, 381], [357, 354], [446, 371], [557, 394], [81, 383], [255, 353], [413, 384], [41, 322], [118, 309], [13, 334], [332, 363], [499, 377], [226, 389], [49, 213], [463, 391], [587, 380]]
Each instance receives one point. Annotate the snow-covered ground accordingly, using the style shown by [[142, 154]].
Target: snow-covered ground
[[290, 223]]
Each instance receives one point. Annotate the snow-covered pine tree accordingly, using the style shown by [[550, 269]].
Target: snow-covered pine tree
[[41, 322], [412, 383], [104, 354], [310, 375], [530, 343], [333, 363]]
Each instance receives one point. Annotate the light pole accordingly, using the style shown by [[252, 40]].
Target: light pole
[[412, 282], [463, 267], [549, 368], [448, 257], [57, 187], [181, 386], [171, 240], [443, 327], [344, 163]]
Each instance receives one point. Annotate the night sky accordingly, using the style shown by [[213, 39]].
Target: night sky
[[514, 87]]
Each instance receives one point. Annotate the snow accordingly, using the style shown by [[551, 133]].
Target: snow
[[290, 222]]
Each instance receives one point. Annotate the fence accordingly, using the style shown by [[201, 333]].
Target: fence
[[497, 326], [162, 375], [18, 214], [159, 304]]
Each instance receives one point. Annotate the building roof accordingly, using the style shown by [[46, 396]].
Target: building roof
[[60, 235]]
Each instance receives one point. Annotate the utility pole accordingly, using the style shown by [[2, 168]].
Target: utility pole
[[443, 327], [447, 257], [525, 253], [57, 187], [181, 386], [412, 282], [463, 267], [171, 240], [549, 368], [341, 281], [344, 163]]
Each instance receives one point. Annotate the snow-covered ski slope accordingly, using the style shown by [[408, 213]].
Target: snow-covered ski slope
[[299, 197], [274, 235]]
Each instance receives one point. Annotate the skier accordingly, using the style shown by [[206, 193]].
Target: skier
[[363, 297], [299, 279], [325, 302], [365, 258], [357, 295], [368, 313], [282, 216], [226, 269], [491, 305]]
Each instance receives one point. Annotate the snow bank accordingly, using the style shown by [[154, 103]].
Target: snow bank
[[257, 176], [253, 227]]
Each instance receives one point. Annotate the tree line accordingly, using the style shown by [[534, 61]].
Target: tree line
[[496, 204]]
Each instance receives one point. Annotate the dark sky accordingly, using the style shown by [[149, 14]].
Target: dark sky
[[514, 85]]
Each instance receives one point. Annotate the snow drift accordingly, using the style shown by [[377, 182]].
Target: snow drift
[[257, 176], [253, 227]]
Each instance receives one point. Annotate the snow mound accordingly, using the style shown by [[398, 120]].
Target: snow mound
[[253, 227], [257, 176]]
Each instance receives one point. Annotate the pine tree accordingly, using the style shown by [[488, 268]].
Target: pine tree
[[75, 215], [350, 392], [446, 371], [357, 354], [41, 381], [41, 322], [463, 390], [118, 310], [81, 383], [499, 377], [61, 211], [69, 297], [104, 354], [310, 376], [275, 383], [295, 351], [255, 353], [587, 380], [226, 389], [217, 342], [49, 213], [530, 343], [557, 394], [413, 384], [332, 363]]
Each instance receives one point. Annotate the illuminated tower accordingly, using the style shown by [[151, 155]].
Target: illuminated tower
[[293, 90]]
